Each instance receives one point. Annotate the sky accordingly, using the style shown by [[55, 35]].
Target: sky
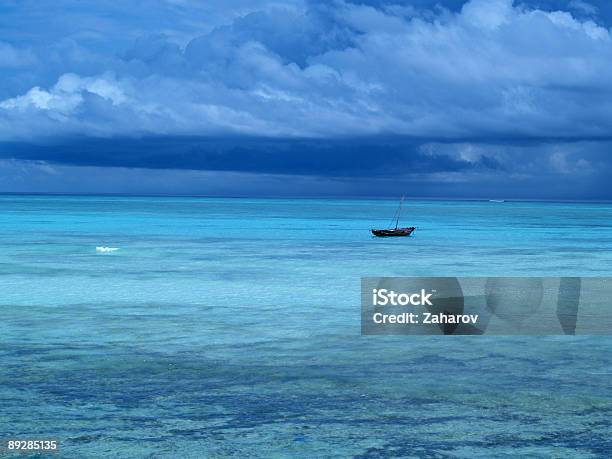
[[446, 98]]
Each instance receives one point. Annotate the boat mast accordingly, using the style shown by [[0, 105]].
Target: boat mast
[[399, 211]]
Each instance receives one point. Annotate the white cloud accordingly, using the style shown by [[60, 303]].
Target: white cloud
[[67, 94], [488, 14], [565, 162]]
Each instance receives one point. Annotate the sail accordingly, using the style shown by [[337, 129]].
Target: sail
[[399, 211]]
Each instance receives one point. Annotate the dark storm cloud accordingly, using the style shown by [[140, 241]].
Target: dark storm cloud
[[371, 157]]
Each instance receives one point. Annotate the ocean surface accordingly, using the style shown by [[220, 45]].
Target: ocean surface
[[230, 328]]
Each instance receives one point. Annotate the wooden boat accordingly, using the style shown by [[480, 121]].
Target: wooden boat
[[395, 232]]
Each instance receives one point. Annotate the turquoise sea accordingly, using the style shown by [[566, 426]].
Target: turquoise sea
[[230, 328]]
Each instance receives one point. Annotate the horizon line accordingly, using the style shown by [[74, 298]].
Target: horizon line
[[321, 197]]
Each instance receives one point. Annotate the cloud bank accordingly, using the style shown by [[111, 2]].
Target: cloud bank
[[492, 69], [313, 88]]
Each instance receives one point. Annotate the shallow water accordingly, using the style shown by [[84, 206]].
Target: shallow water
[[230, 328]]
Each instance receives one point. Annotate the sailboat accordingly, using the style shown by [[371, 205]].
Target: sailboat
[[390, 232]]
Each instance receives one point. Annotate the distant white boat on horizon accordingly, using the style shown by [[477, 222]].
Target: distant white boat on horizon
[[497, 200]]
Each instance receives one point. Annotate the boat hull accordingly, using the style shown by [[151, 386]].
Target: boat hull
[[397, 232]]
